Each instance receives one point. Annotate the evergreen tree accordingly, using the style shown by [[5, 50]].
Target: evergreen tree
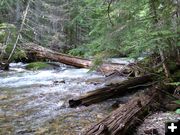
[[126, 26]]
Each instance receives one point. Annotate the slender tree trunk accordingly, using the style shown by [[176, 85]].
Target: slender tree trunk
[[165, 67], [20, 30], [155, 22]]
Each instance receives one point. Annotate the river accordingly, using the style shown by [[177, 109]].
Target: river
[[36, 102]]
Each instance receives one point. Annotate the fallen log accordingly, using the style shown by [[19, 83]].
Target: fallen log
[[123, 120], [110, 91], [38, 52]]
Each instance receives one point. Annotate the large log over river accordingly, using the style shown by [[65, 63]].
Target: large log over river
[[38, 52]]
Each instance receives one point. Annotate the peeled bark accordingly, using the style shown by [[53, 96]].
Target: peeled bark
[[110, 91], [127, 116], [39, 52]]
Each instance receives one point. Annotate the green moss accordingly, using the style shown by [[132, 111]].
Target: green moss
[[37, 66], [19, 54], [178, 111]]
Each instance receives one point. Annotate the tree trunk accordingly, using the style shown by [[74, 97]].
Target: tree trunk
[[129, 115], [110, 91], [39, 52]]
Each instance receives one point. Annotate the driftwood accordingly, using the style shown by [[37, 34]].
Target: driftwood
[[38, 52], [127, 116], [110, 91]]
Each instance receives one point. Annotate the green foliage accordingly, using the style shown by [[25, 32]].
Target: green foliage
[[7, 7], [131, 27], [7, 36], [135, 30], [18, 55], [8, 33], [78, 51], [5, 29], [37, 66], [6, 4], [86, 25]]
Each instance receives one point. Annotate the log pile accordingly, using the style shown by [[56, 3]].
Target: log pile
[[123, 120]]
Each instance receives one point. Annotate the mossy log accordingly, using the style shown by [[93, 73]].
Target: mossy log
[[110, 91], [123, 120], [37, 66], [34, 51]]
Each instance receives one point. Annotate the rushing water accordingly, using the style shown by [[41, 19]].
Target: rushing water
[[36, 102]]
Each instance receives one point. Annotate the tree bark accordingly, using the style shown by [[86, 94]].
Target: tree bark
[[110, 91], [39, 52], [127, 116]]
